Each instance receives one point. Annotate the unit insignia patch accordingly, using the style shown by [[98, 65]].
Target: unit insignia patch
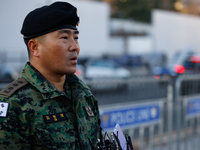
[[89, 111]]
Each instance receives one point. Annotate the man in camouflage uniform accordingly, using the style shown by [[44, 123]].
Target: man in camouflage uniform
[[48, 107]]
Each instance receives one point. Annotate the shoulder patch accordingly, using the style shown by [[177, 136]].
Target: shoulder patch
[[3, 109], [13, 86]]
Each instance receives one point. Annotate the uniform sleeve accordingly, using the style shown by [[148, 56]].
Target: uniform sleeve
[[99, 120], [14, 127]]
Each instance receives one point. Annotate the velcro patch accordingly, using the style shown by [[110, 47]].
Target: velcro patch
[[89, 111], [3, 109], [54, 118]]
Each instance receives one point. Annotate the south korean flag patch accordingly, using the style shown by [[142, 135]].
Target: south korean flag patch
[[3, 109]]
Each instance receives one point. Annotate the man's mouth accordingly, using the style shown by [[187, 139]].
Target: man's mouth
[[74, 59]]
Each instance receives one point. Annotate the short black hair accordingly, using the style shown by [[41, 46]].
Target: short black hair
[[26, 43]]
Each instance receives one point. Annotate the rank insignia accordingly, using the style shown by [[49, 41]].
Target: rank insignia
[[89, 111], [13, 86], [53, 118], [3, 109]]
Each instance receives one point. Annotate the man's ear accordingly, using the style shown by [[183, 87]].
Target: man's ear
[[33, 47]]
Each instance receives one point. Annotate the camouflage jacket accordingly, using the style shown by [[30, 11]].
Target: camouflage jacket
[[35, 115]]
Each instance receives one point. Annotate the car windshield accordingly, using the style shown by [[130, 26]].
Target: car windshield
[[104, 64]]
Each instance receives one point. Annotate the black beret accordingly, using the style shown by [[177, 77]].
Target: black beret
[[46, 19]]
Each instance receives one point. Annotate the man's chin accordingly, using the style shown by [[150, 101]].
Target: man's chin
[[71, 72]]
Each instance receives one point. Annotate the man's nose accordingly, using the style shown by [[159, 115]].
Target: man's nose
[[74, 45]]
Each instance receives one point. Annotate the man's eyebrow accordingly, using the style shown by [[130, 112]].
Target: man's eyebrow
[[68, 31], [76, 32]]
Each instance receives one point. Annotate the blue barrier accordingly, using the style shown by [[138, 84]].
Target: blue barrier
[[193, 107], [126, 116]]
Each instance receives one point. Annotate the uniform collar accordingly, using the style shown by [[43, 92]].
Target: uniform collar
[[36, 79]]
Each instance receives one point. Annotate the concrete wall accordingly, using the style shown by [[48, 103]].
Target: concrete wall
[[175, 32]]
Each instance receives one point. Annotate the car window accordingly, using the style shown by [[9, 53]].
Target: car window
[[188, 64]]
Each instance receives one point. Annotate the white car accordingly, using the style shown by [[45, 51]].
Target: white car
[[97, 69]]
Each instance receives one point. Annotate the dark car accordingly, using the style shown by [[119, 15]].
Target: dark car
[[186, 62]]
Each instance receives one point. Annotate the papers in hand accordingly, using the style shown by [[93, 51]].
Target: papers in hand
[[119, 134]]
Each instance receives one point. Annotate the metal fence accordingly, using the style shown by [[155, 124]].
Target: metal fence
[[112, 91], [157, 114]]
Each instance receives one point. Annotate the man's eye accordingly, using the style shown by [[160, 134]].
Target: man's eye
[[64, 37], [76, 38]]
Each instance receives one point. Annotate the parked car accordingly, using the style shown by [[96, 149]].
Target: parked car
[[96, 69], [107, 71], [186, 62], [7, 74]]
